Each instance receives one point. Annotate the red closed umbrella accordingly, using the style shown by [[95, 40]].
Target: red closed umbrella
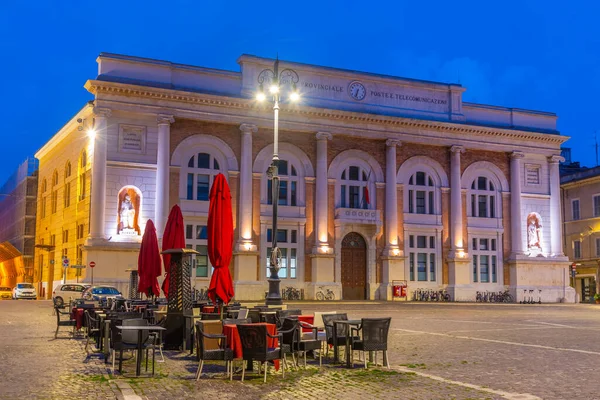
[[173, 238], [220, 240], [149, 268]]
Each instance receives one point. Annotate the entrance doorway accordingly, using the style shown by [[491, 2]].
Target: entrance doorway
[[354, 267]]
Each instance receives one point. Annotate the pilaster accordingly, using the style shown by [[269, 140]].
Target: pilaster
[[98, 184], [516, 230], [162, 172]]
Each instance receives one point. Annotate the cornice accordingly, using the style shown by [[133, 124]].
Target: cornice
[[113, 88]]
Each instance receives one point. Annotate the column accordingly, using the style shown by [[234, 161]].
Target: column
[[98, 184], [161, 210], [245, 204], [456, 220], [516, 231], [321, 190], [555, 217], [391, 197]]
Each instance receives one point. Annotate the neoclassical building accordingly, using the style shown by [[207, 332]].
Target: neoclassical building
[[382, 179]]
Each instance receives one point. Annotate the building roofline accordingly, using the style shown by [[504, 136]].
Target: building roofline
[[581, 175]]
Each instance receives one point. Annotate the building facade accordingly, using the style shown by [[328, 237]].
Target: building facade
[[382, 179], [581, 213], [18, 198]]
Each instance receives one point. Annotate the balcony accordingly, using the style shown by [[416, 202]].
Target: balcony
[[357, 216]]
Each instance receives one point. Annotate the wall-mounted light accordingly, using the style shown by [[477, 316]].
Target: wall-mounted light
[[396, 252], [324, 249], [247, 246], [88, 126]]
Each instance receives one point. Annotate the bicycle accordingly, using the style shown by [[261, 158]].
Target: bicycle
[[328, 295]]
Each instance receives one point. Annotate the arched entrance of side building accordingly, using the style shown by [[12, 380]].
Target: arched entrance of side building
[[354, 267]]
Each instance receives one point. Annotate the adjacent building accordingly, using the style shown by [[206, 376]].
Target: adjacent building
[[581, 212], [383, 179], [17, 224]]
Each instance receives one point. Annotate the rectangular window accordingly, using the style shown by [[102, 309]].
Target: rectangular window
[[597, 206], [597, 247], [293, 194], [201, 232], [422, 266], [54, 200], [484, 268], [283, 192], [189, 229], [431, 207], [493, 244], [575, 209], [65, 236], [420, 202], [473, 205], [65, 253], [190, 186], [494, 277], [482, 202], [483, 244], [82, 186], [411, 241], [412, 266], [204, 160], [343, 195], [474, 244], [281, 235], [474, 268], [293, 263], [202, 261], [411, 205], [354, 196], [294, 236], [353, 173], [432, 242], [492, 207], [577, 249], [282, 167], [202, 187], [432, 267], [421, 242]]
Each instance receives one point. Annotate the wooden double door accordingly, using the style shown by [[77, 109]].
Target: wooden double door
[[354, 267]]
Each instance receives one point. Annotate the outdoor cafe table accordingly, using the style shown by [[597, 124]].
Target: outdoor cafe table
[[348, 323], [235, 344], [139, 330]]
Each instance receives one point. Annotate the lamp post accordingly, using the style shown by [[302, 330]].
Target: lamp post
[[275, 80]]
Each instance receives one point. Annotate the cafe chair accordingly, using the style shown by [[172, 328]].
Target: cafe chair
[[93, 329], [243, 313], [128, 340], [342, 331], [220, 354], [311, 343], [254, 339], [374, 338], [280, 315], [210, 316], [63, 318]]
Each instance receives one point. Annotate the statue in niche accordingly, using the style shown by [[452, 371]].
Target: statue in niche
[[128, 211], [534, 232]]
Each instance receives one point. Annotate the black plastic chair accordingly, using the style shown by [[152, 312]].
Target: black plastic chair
[[93, 329], [220, 354], [128, 340], [254, 339], [342, 331], [308, 344], [254, 316], [280, 315], [62, 321], [374, 338], [210, 316]]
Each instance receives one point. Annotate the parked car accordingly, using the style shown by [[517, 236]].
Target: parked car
[[24, 291], [66, 292], [101, 292], [5, 293]]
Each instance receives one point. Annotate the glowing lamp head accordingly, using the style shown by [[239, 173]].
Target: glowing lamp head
[[247, 246], [260, 96], [295, 96], [91, 133], [396, 252], [274, 89], [324, 249]]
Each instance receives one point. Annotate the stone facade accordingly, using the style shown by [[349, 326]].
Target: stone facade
[[421, 176]]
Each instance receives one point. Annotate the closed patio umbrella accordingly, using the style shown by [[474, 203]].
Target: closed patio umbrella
[[220, 240], [173, 238], [149, 268]]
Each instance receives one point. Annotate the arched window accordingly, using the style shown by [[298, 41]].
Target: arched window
[[288, 184], [54, 194], [483, 198], [82, 176], [201, 171], [67, 196], [421, 194], [44, 186], [354, 191]]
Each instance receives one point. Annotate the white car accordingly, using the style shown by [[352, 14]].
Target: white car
[[24, 291], [66, 292]]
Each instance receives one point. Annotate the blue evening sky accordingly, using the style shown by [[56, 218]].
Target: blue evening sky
[[541, 55]]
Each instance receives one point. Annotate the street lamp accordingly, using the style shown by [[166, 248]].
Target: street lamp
[[275, 81]]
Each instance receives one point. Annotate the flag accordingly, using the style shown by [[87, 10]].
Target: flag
[[366, 200]]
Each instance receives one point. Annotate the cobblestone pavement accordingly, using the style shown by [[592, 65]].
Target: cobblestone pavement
[[437, 351]]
